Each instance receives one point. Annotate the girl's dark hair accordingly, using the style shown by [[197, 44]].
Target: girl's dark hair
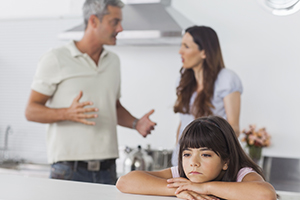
[[206, 39], [216, 134]]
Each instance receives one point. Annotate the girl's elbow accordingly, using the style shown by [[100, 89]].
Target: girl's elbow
[[121, 184], [270, 193], [270, 196], [124, 184]]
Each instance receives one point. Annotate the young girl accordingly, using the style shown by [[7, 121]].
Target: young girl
[[211, 165]]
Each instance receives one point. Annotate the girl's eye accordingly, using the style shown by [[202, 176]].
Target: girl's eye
[[206, 155], [186, 154]]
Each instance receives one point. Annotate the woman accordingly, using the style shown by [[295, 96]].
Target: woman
[[205, 87]]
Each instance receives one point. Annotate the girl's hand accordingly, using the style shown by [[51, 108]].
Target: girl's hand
[[189, 190], [190, 195], [184, 184], [176, 182], [200, 188]]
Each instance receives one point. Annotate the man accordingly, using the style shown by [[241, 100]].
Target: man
[[80, 82]]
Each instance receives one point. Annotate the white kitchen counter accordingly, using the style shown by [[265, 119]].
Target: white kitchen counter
[[14, 187], [39, 172]]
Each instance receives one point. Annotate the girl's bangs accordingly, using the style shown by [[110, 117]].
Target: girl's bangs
[[209, 134]]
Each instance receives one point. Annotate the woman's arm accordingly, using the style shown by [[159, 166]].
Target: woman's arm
[[232, 104], [252, 187], [145, 182]]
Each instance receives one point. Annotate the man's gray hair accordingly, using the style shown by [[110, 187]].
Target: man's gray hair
[[98, 8]]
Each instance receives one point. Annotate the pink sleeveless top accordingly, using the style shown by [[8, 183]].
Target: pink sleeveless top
[[241, 174]]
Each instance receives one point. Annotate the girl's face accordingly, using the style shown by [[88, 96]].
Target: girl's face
[[190, 54], [202, 165]]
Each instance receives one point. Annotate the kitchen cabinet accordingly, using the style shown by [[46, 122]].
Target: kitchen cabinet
[[282, 173]]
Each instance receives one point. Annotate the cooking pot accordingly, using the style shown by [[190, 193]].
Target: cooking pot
[[149, 159], [137, 159], [161, 158]]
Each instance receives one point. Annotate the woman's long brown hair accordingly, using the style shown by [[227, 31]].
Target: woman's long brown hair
[[207, 40]]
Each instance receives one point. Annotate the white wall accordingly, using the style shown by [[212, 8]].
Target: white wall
[[264, 50], [22, 42], [148, 82], [16, 9]]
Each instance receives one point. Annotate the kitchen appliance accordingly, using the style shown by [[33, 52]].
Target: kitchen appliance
[[161, 158], [149, 159], [137, 159], [282, 173], [144, 23]]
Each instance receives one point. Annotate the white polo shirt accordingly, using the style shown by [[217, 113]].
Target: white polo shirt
[[62, 73]]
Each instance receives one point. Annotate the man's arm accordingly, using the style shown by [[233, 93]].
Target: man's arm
[[232, 104], [37, 111], [144, 125]]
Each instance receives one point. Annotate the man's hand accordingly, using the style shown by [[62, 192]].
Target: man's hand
[[76, 112], [144, 126]]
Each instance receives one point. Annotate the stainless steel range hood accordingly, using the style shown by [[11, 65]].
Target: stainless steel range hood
[[144, 24]]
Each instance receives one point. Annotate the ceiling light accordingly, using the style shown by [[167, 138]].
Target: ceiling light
[[281, 7]]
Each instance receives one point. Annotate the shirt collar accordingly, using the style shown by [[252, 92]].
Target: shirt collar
[[75, 51]]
